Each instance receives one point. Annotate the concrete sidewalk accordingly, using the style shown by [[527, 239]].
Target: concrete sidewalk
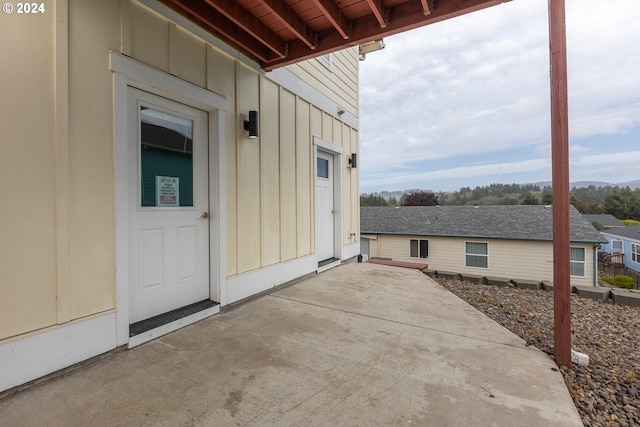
[[358, 345]]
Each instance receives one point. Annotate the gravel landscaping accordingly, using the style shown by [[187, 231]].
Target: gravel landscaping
[[606, 393]]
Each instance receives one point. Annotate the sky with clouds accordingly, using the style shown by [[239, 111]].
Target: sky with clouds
[[465, 102]]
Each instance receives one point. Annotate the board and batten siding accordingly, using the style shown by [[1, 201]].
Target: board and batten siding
[[30, 219], [509, 259], [58, 246]]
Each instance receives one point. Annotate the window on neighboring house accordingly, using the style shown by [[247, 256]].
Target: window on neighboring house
[[476, 254], [419, 248], [616, 246], [635, 253], [578, 262]]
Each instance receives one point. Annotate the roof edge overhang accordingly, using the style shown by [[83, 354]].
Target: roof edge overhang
[[461, 236], [258, 37]]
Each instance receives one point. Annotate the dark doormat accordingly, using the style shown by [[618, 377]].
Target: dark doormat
[[171, 316], [327, 262]]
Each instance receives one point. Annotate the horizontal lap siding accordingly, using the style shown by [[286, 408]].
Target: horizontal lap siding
[[339, 82]]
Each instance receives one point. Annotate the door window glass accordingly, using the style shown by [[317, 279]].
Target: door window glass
[[166, 159], [323, 168]]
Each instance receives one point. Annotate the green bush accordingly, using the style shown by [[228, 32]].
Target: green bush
[[629, 222], [625, 282], [607, 279]]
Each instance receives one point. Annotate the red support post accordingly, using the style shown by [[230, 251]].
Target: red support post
[[560, 183]]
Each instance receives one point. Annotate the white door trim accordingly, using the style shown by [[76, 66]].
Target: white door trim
[[337, 152], [128, 72]]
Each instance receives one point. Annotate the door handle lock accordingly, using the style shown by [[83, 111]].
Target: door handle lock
[[204, 215]]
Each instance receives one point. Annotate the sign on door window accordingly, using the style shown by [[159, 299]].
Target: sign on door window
[[166, 159]]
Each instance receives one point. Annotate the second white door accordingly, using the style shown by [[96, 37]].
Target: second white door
[[325, 207]]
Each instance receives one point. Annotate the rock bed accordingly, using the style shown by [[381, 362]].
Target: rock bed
[[606, 393]]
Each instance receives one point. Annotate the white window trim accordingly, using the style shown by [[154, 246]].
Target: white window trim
[[419, 257], [466, 253], [327, 61], [621, 245], [635, 252], [584, 262]]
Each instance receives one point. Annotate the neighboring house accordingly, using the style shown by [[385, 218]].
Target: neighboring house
[[512, 242], [132, 189], [608, 221], [625, 241]]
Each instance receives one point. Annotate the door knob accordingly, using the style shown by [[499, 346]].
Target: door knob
[[204, 215]]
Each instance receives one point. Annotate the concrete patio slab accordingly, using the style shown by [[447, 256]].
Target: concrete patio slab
[[358, 345]]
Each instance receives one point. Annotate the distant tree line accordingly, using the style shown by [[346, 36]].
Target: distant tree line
[[623, 203], [409, 198]]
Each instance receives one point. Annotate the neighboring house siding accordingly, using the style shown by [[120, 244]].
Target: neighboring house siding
[[630, 260], [530, 260], [59, 251]]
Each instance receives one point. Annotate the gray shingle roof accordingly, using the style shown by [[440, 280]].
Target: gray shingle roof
[[515, 222], [607, 220], [631, 232]]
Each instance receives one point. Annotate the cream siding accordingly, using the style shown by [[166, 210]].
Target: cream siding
[[91, 209], [288, 184], [269, 176], [58, 247], [339, 81], [28, 168], [510, 259], [304, 187]]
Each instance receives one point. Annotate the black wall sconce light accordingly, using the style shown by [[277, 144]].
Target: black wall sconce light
[[353, 158], [252, 125]]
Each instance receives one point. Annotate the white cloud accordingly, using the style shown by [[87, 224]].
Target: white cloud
[[601, 125], [588, 167], [478, 86], [615, 159]]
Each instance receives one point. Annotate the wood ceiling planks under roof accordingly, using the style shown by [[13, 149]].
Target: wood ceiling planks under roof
[[281, 32]]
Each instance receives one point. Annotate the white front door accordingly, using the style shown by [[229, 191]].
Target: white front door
[[168, 205], [325, 208]]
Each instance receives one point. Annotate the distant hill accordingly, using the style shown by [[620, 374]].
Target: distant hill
[[581, 184], [587, 196], [577, 184], [397, 194]]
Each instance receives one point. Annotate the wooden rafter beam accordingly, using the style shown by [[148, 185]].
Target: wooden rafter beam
[[234, 12], [331, 10], [214, 21], [379, 11], [406, 16], [427, 6], [281, 11]]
